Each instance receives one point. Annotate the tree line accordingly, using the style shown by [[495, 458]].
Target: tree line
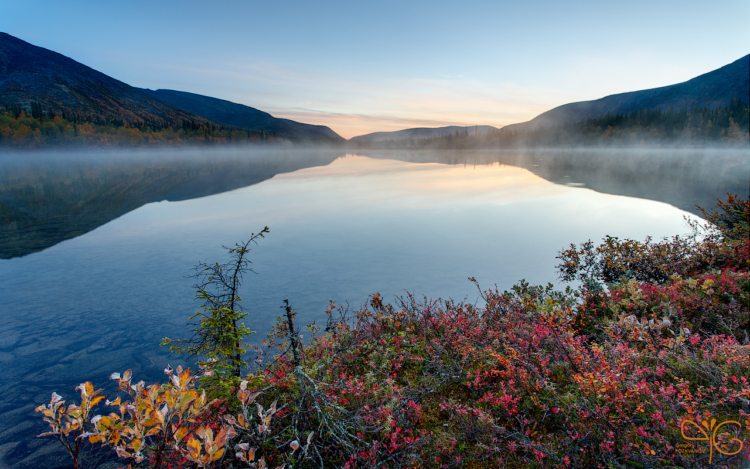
[[43, 128], [690, 125]]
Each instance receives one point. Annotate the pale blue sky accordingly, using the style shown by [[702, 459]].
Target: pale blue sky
[[368, 66]]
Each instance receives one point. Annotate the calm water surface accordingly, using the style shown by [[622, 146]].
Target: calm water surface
[[112, 282]]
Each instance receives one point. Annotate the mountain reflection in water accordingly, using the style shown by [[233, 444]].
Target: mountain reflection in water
[[684, 178], [48, 198]]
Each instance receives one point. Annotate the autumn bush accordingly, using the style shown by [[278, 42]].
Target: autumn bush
[[647, 364]]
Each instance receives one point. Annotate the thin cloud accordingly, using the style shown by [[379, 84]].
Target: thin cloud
[[356, 106]]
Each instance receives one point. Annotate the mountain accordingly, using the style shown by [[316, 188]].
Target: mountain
[[29, 73], [713, 89], [246, 117], [33, 74], [421, 132]]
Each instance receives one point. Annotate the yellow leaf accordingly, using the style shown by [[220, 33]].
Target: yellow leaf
[[217, 454], [97, 400], [180, 434], [194, 445], [115, 402]]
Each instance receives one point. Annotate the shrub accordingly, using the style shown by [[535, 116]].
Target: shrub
[[632, 369]]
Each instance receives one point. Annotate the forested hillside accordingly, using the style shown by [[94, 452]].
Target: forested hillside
[[715, 89], [47, 129], [728, 125], [48, 99], [39, 80]]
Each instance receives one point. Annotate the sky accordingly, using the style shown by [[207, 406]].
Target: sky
[[361, 67]]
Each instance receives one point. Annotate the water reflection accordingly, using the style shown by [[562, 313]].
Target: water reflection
[[683, 178], [341, 229], [48, 198]]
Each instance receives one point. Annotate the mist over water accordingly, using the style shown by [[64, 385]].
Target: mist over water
[[96, 246], [46, 198], [681, 177]]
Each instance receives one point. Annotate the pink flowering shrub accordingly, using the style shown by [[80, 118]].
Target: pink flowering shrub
[[631, 370]]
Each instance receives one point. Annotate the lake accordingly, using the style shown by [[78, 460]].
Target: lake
[[96, 246]]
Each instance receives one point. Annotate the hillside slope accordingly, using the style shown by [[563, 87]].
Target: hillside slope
[[246, 117], [421, 132], [30, 73], [713, 89]]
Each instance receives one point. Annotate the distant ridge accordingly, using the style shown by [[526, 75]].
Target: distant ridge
[[713, 89], [238, 115], [421, 132]]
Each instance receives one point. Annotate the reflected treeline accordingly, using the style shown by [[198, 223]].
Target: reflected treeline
[[47, 198], [683, 178]]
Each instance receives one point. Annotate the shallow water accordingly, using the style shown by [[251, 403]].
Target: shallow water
[[96, 263]]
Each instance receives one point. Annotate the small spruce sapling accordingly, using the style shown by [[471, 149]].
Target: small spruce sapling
[[219, 333]]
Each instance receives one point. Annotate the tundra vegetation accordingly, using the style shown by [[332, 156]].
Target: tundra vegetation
[[631, 369]]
